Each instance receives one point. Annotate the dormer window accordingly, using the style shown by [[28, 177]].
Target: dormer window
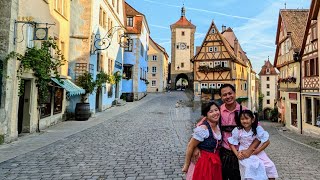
[[130, 21], [268, 70], [213, 49]]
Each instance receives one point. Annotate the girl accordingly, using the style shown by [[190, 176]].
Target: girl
[[258, 166], [206, 137]]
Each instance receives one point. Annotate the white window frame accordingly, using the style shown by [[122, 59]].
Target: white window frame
[[213, 30], [217, 63], [212, 85], [202, 63], [211, 64], [154, 69], [210, 49], [219, 85], [224, 64], [154, 57], [204, 85], [153, 83]]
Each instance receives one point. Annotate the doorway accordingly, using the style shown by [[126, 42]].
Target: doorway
[[98, 99], [294, 121], [24, 107]]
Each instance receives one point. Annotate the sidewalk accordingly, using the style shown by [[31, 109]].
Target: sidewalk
[[306, 140], [62, 130]]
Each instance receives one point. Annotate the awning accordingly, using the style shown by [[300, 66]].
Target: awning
[[69, 86]]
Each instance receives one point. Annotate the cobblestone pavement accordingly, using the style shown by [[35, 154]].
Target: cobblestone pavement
[[146, 141]]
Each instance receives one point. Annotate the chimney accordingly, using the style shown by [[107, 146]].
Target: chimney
[[223, 28], [236, 46]]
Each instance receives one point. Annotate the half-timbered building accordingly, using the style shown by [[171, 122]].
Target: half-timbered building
[[217, 62], [310, 78], [290, 30]]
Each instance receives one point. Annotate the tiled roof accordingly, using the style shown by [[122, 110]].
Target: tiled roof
[[229, 35], [295, 22], [267, 64], [183, 22], [314, 10], [160, 47], [137, 19]]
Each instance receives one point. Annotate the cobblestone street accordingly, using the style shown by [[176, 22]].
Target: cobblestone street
[[140, 140]]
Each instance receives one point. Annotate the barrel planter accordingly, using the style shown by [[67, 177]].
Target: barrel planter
[[129, 97], [82, 112]]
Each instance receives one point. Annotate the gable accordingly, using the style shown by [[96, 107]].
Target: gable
[[214, 46]]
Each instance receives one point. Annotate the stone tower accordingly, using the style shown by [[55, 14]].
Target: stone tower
[[182, 49]]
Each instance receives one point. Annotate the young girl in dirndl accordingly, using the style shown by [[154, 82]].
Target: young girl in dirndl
[[207, 138], [258, 166]]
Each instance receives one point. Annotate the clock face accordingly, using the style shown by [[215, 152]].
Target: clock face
[[183, 45], [41, 33]]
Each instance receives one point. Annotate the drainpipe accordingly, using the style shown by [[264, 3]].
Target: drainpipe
[[300, 81]]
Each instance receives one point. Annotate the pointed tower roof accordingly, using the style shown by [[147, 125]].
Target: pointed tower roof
[[183, 21], [268, 65]]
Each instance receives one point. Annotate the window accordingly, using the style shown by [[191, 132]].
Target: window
[[100, 59], [102, 18], [46, 104], [113, 3], [312, 72], [127, 71], [130, 21], [268, 101], [204, 85], [58, 98], [224, 63], [129, 47], [245, 86], [268, 78], [60, 6], [154, 58], [268, 71], [182, 33], [211, 64], [216, 63], [211, 49], [141, 50], [153, 83], [268, 86], [317, 67], [213, 31], [268, 93], [212, 85], [110, 66], [154, 69], [219, 85], [182, 65], [118, 4]]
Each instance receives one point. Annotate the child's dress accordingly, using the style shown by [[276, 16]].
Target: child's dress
[[208, 166], [256, 167]]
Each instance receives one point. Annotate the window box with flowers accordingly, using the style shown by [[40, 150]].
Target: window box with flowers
[[214, 69]]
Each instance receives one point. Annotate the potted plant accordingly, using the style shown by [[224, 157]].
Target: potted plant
[[82, 111]]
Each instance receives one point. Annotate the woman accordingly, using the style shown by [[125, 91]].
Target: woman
[[207, 138]]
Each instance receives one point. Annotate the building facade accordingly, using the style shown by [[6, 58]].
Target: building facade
[[218, 62], [269, 80], [182, 50], [310, 78], [290, 31], [134, 82], [157, 67]]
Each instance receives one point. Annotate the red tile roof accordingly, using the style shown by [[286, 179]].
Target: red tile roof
[[137, 19], [183, 22], [267, 64]]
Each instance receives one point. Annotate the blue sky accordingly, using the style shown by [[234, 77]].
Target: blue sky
[[253, 21]]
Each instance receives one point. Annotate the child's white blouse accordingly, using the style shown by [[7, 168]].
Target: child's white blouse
[[200, 133], [238, 135]]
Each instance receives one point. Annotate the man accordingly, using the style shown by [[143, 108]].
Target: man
[[230, 110]]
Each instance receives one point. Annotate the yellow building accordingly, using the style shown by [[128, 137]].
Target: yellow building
[[157, 67], [290, 30], [38, 20], [310, 76], [220, 60]]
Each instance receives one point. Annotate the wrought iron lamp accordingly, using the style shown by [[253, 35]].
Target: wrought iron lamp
[[102, 43]]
